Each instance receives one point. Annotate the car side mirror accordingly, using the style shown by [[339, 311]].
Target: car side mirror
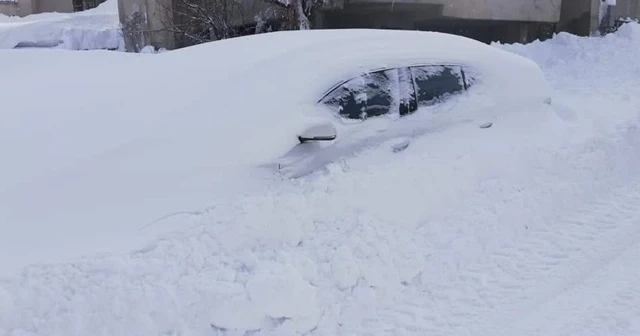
[[320, 132]]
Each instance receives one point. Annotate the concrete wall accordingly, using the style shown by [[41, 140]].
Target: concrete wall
[[573, 9], [582, 17], [28, 7], [21, 8], [158, 14], [143, 23], [575, 16], [627, 8], [9, 8], [379, 15], [504, 10], [61, 6]]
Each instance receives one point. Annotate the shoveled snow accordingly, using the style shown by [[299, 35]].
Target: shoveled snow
[[529, 227], [97, 28]]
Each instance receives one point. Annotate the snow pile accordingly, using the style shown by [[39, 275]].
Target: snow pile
[[557, 55], [152, 50], [97, 28], [598, 70], [526, 228]]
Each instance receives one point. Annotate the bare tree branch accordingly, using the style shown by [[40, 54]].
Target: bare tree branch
[[198, 21]]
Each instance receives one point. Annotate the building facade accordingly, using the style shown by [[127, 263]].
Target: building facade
[[144, 21], [512, 20], [28, 7], [484, 20], [593, 17]]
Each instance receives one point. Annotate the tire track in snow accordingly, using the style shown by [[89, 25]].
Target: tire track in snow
[[611, 285], [586, 243], [518, 278], [521, 278]]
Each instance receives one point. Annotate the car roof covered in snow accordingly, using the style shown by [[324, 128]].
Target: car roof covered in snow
[[257, 92], [265, 87], [319, 59]]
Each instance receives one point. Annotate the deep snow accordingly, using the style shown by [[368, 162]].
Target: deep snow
[[96, 28], [529, 229]]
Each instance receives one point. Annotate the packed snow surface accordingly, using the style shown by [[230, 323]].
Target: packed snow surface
[[97, 28], [529, 227]]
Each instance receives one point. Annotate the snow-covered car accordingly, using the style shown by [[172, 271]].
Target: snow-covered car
[[360, 88], [121, 139]]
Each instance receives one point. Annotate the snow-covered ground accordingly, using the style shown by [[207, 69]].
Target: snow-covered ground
[[97, 28], [529, 229]]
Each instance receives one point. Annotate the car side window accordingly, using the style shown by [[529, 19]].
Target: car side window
[[435, 83], [363, 97]]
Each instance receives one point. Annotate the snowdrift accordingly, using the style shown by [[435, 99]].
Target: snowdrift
[[530, 229], [97, 28]]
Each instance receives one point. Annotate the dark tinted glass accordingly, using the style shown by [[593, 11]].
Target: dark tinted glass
[[363, 97], [435, 83]]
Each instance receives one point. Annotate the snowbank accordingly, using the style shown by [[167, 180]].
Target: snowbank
[[529, 229], [97, 28], [557, 55]]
